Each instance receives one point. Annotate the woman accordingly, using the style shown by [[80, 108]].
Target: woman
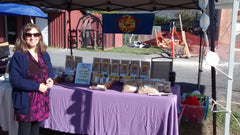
[[31, 77]]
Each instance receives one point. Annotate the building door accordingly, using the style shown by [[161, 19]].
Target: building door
[[43, 26], [88, 37]]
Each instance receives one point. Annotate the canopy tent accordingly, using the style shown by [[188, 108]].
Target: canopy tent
[[112, 5], [134, 5], [21, 10], [14, 9]]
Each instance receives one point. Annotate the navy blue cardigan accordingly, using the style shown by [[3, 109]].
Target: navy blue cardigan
[[20, 84]]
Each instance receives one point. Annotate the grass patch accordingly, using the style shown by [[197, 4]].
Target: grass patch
[[220, 121], [138, 51], [206, 128], [126, 50], [91, 49]]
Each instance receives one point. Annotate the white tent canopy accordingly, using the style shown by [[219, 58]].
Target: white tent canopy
[[224, 4]]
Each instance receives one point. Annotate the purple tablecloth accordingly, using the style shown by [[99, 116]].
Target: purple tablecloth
[[77, 109]]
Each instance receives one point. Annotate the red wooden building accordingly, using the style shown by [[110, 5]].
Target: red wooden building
[[86, 30]]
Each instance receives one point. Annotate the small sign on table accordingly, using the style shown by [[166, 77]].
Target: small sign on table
[[83, 73]]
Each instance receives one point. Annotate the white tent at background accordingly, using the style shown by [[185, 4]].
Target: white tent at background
[[224, 4]]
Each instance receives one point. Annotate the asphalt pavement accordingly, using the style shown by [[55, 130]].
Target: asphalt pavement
[[186, 71]]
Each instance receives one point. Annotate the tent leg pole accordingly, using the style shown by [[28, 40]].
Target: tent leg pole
[[5, 29], [213, 71], [231, 66], [69, 16], [201, 52]]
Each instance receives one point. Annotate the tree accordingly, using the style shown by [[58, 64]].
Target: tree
[[158, 21], [190, 20]]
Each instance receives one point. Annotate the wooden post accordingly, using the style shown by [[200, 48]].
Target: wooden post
[[186, 49]]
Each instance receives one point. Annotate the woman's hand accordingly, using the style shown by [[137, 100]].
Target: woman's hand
[[43, 87], [49, 82]]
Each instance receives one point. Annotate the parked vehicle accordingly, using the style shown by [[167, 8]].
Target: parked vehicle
[[139, 44]]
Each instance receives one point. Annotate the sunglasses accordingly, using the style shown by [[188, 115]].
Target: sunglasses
[[32, 34]]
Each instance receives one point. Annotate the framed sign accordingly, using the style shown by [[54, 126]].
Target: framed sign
[[145, 69], [69, 62], [115, 67], [76, 61], [124, 69], [96, 68], [105, 66], [135, 68], [83, 73]]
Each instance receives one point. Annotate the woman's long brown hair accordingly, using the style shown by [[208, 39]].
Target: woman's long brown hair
[[21, 44]]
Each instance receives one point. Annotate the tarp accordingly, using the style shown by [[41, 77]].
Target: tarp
[[21, 10]]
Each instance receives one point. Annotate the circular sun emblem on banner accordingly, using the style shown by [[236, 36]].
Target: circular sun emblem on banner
[[127, 23]]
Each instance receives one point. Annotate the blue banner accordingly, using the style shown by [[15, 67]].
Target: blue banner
[[128, 23]]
